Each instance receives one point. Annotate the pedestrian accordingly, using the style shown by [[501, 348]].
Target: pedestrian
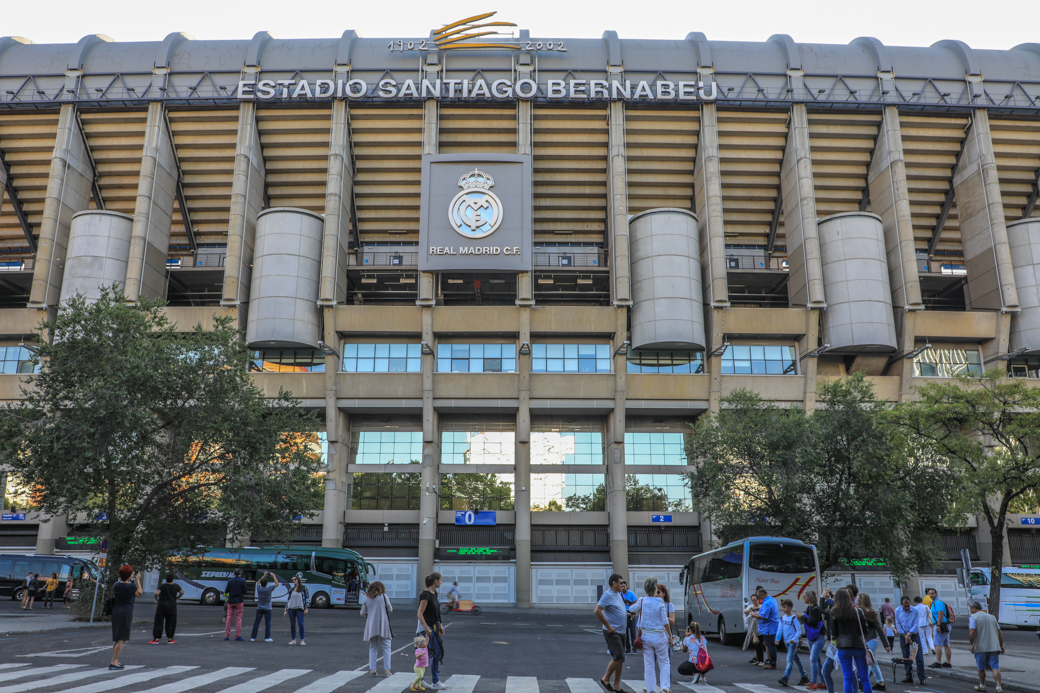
[[629, 597], [50, 588], [906, 628], [296, 608], [768, 624], [453, 594], [378, 631], [66, 597], [610, 611], [849, 626], [234, 598], [34, 589], [430, 621], [422, 660], [666, 597], [166, 610], [651, 626], [890, 631], [924, 624], [872, 643], [693, 643], [125, 593], [887, 610], [264, 591], [790, 634], [987, 644], [816, 633], [26, 584], [941, 618], [828, 599], [752, 630]]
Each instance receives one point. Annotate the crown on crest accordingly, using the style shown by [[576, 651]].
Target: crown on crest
[[476, 179]]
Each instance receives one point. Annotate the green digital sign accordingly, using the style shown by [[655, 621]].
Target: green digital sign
[[82, 541], [476, 553], [867, 563]]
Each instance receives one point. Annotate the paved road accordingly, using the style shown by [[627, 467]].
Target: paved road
[[496, 652]]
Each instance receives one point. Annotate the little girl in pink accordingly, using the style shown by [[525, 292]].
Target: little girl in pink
[[422, 660]]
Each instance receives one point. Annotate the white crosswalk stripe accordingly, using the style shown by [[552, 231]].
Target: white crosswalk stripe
[[42, 670], [701, 687], [330, 683], [636, 686], [265, 682], [395, 684], [128, 680], [12, 666], [756, 688], [200, 680], [462, 683], [522, 684], [59, 680], [584, 686]]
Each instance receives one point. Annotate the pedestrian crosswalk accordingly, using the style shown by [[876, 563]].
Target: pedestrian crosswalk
[[81, 678]]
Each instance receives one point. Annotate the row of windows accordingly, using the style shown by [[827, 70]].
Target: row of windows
[[16, 359], [947, 363], [476, 358], [760, 360]]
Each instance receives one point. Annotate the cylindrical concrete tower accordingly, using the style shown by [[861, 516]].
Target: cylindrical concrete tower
[[666, 280], [99, 250], [1024, 239], [859, 315], [283, 310]]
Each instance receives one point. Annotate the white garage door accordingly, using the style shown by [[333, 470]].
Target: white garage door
[[399, 579], [482, 583], [949, 591], [879, 586], [568, 585], [669, 578]]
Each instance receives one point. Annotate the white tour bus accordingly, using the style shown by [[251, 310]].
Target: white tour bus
[[718, 584], [1019, 594]]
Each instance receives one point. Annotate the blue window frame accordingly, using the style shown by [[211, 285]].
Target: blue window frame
[[476, 358], [570, 358], [665, 362], [767, 359], [17, 359], [382, 358]]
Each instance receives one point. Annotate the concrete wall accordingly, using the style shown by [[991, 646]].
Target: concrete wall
[[1024, 239], [99, 249]]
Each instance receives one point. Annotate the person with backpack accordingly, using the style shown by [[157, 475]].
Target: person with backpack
[[699, 663], [790, 634], [378, 631], [816, 633], [942, 617]]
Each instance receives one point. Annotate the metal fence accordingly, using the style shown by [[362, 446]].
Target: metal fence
[[463, 535], [1025, 546], [685, 539], [381, 535], [569, 538], [756, 262]]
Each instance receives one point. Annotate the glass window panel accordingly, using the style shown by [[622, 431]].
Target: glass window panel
[[459, 351], [398, 350], [774, 353], [758, 352], [382, 350], [414, 351], [774, 368], [727, 367], [350, 350], [740, 352], [538, 365], [554, 351], [587, 365], [492, 350], [538, 351], [10, 367], [479, 351], [367, 350], [414, 365], [444, 351], [397, 365], [570, 365], [382, 365], [555, 366], [366, 365], [603, 365], [509, 365], [758, 367], [443, 365], [587, 350], [570, 351], [603, 351], [492, 365], [740, 367]]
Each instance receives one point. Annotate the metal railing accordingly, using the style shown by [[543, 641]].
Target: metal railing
[[383, 258], [378, 535], [569, 538], [204, 260], [949, 269], [951, 544], [565, 258], [756, 262], [498, 535], [686, 539], [22, 265], [1025, 547]]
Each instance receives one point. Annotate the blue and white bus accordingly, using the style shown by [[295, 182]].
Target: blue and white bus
[[1019, 594]]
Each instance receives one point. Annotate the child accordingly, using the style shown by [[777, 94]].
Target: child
[[890, 631], [791, 633], [422, 660], [693, 643]]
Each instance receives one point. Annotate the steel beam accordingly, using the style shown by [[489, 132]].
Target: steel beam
[[95, 189], [948, 202], [12, 196], [181, 202]]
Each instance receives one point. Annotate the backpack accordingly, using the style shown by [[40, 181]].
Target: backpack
[[951, 617]]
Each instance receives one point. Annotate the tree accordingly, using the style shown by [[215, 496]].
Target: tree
[[988, 428], [157, 439], [842, 479]]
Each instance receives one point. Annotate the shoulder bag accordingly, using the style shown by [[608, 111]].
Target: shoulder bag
[[869, 654], [386, 610], [637, 642]]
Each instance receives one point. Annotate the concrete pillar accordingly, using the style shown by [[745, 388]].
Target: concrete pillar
[[429, 499], [153, 213], [716, 330], [617, 504], [524, 145], [68, 192], [707, 200], [49, 532], [98, 248], [617, 185], [430, 145], [339, 191], [805, 284], [337, 433], [1024, 238], [890, 200], [808, 366], [980, 213], [247, 199], [522, 475]]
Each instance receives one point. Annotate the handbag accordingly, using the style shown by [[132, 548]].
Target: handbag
[[637, 642], [386, 609], [869, 654], [106, 608]]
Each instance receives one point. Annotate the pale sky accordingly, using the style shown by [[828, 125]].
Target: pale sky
[[981, 24]]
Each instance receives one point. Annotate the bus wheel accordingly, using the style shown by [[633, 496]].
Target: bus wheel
[[210, 597], [320, 600], [17, 594], [724, 637]]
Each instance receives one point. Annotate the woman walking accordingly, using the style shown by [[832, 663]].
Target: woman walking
[[849, 626], [816, 634], [66, 598], [378, 631], [296, 608], [651, 625], [752, 631], [125, 592], [872, 642]]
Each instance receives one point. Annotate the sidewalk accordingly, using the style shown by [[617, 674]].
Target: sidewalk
[[1020, 673], [33, 623]]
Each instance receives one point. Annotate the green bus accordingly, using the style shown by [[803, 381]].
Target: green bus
[[332, 576]]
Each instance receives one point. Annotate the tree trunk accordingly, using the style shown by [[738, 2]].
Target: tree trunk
[[996, 564]]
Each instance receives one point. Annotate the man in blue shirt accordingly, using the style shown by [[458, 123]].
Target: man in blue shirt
[[768, 624], [906, 629], [941, 638], [611, 612], [235, 597], [629, 597]]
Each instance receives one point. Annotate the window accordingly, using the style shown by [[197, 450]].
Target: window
[[477, 492], [778, 558], [292, 562], [724, 566], [655, 492], [386, 447], [947, 363], [386, 491], [655, 448], [553, 447], [333, 567], [978, 579], [769, 359], [558, 492], [491, 447], [17, 359], [287, 362], [382, 358], [1023, 367], [570, 358], [665, 362], [476, 358]]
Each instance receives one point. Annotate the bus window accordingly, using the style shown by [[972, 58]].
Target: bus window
[[7, 569], [777, 558], [295, 562], [262, 561], [1020, 581], [979, 579], [77, 570], [724, 566], [63, 573], [698, 570], [334, 567]]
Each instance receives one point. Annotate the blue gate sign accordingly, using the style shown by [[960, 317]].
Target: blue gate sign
[[13, 517], [660, 518], [475, 517], [1025, 520]]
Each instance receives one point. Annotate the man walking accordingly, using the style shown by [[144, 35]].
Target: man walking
[[611, 612], [887, 610], [768, 624], [235, 600], [907, 631], [940, 617], [264, 590], [166, 610], [987, 644], [924, 624]]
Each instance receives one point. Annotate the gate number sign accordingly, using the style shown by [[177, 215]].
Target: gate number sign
[[478, 517]]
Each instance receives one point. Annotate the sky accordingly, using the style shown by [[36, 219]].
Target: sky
[[997, 24]]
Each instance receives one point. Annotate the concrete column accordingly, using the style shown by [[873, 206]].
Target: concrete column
[[339, 192], [980, 213], [524, 145], [808, 366], [617, 505], [617, 185], [49, 532], [430, 145], [890, 200], [707, 194], [247, 199], [716, 331], [68, 192], [98, 248], [429, 500], [805, 285], [522, 476], [337, 433], [153, 213]]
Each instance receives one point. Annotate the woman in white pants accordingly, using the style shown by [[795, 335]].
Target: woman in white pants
[[378, 632], [652, 626]]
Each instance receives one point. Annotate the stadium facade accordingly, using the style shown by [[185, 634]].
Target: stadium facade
[[524, 266]]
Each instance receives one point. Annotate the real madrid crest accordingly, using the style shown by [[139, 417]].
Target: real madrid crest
[[476, 211]]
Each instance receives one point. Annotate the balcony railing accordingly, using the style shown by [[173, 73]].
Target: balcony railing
[[569, 257], [941, 267], [20, 265], [383, 258], [189, 260], [756, 262]]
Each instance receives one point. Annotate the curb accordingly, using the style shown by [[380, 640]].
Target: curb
[[972, 677]]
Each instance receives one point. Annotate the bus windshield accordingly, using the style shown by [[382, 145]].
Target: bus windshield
[[780, 558]]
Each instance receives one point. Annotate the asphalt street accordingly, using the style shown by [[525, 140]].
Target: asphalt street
[[499, 651]]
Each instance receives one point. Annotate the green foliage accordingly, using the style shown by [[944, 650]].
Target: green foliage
[[843, 479], [637, 497], [155, 438]]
